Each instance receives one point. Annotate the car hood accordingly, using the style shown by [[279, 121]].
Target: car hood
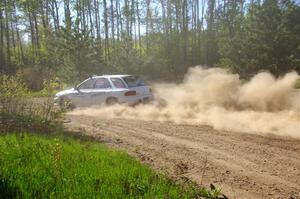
[[65, 92]]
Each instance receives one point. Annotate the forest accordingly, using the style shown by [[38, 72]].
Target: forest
[[69, 40]]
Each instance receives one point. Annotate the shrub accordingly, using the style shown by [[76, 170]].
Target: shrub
[[298, 84], [20, 112]]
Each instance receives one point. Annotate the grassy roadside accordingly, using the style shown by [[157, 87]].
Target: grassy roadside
[[51, 163], [298, 84], [41, 166]]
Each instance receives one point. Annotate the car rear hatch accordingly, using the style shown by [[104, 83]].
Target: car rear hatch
[[137, 84]]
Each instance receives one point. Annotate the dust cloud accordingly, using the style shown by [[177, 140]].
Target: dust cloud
[[218, 98]]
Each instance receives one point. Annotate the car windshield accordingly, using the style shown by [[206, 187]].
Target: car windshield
[[88, 84], [134, 81]]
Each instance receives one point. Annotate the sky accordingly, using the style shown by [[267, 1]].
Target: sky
[[142, 8]]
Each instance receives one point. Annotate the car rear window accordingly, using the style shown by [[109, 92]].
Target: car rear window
[[134, 81], [118, 83]]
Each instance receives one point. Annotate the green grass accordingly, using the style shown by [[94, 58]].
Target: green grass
[[40, 166], [298, 84]]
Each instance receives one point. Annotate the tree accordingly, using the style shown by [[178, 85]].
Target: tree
[[157, 38]]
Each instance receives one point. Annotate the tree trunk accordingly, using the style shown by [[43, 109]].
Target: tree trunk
[[2, 61], [139, 27], [83, 16], [106, 42], [127, 18], [37, 38], [91, 20], [185, 32], [53, 15], [57, 16], [67, 15], [118, 19], [112, 20], [7, 34], [132, 18], [148, 16], [97, 20]]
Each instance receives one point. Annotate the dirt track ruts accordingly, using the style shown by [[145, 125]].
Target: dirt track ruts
[[242, 165]]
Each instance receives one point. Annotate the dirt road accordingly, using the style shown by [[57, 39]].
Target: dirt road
[[242, 165]]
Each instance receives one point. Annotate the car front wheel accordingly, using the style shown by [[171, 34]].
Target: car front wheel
[[66, 104]]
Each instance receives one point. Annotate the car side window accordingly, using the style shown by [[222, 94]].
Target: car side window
[[102, 83], [118, 83], [89, 84]]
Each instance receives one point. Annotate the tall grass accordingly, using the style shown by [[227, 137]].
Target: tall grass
[[298, 84], [35, 166], [19, 112]]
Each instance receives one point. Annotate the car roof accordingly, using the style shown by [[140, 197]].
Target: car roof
[[109, 76]]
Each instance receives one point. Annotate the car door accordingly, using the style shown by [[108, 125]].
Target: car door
[[82, 96], [101, 90], [119, 88]]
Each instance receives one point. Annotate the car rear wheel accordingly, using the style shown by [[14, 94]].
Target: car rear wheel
[[111, 101]]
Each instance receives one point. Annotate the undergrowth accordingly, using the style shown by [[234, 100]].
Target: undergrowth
[[20, 112], [298, 84]]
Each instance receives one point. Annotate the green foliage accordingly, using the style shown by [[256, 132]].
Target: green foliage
[[80, 55], [33, 77], [265, 39], [50, 88], [159, 40], [127, 59], [212, 193], [19, 112], [12, 86], [34, 166], [298, 84]]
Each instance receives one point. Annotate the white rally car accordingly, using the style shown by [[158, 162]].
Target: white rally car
[[106, 89]]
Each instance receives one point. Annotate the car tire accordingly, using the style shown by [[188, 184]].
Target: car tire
[[65, 104], [111, 101]]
